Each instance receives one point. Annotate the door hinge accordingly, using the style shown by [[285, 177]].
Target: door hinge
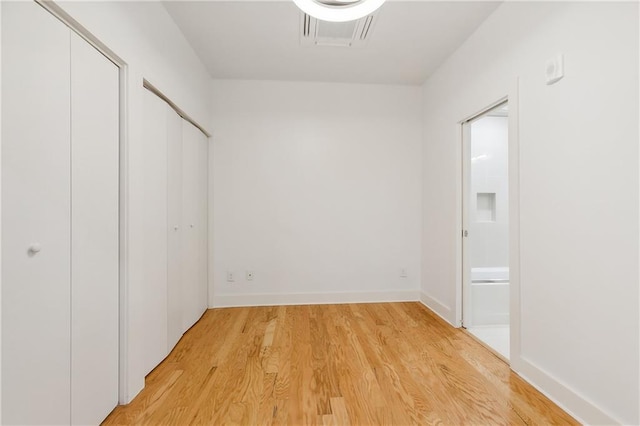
[[465, 233]]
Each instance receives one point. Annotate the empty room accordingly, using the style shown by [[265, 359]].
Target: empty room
[[319, 212]]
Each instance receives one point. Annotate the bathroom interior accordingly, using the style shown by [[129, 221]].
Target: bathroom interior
[[487, 247]]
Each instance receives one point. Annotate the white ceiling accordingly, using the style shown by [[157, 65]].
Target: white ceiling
[[260, 40]]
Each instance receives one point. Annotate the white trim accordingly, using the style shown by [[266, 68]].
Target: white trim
[[153, 89], [462, 249], [210, 228], [514, 222], [238, 300], [124, 395], [0, 215], [460, 222], [437, 307], [556, 391], [57, 11]]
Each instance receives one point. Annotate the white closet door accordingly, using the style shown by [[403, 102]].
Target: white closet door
[[203, 223], [94, 234], [35, 214], [174, 228], [154, 247], [194, 302]]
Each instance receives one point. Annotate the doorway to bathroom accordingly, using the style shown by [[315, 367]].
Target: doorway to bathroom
[[485, 228]]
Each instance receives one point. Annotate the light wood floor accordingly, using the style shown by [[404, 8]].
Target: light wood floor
[[364, 364]]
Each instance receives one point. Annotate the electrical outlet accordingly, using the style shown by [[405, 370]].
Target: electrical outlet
[[249, 275], [230, 276], [403, 272]]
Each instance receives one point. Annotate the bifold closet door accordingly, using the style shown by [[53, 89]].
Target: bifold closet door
[[36, 222], [152, 169], [194, 212], [202, 218], [94, 233], [174, 153], [175, 228]]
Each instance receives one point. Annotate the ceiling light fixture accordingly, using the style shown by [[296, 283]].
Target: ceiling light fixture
[[338, 10]]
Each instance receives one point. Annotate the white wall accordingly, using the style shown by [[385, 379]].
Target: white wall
[[146, 38], [578, 188], [0, 215], [317, 191]]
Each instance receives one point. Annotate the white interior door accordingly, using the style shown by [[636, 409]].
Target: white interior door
[[194, 253], [175, 228], [35, 216], [202, 221], [94, 233], [153, 253]]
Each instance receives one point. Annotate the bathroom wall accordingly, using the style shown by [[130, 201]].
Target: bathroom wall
[[488, 193]]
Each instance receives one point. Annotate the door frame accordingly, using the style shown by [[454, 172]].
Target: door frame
[[123, 184], [461, 266]]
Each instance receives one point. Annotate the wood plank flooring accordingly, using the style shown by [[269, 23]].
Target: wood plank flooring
[[360, 364]]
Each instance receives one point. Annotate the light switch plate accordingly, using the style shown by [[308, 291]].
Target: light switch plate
[[555, 69]]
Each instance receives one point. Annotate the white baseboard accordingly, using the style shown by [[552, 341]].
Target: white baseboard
[[579, 407], [439, 308], [237, 300], [132, 391]]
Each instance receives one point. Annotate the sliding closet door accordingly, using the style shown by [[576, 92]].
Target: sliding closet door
[[193, 200], [35, 216], [153, 168], [174, 228], [94, 234]]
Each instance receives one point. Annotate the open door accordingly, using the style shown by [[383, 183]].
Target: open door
[[485, 227]]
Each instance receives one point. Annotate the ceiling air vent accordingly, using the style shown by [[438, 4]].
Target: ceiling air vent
[[342, 34]]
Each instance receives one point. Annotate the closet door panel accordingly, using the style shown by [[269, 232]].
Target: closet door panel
[[190, 192], [202, 209], [175, 228], [153, 248], [94, 234], [35, 213]]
